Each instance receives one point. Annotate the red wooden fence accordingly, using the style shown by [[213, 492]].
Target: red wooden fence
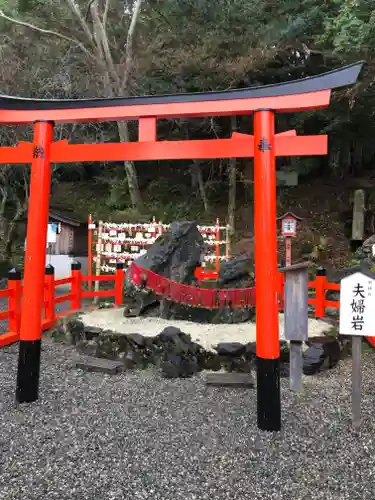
[[76, 294]]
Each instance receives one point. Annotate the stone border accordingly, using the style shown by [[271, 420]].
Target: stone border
[[177, 356]]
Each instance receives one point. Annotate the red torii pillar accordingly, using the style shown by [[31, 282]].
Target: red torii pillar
[[35, 262], [265, 246]]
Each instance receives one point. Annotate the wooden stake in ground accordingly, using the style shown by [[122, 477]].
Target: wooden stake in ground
[[98, 258], [357, 316]]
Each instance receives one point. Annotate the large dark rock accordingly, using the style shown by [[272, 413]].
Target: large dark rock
[[237, 272], [174, 255]]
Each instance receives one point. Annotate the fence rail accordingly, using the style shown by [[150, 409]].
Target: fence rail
[[188, 295]]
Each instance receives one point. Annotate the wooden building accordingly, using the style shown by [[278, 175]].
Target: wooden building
[[71, 237]]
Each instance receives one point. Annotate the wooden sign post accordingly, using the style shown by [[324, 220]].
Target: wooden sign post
[[357, 318], [296, 318], [289, 231]]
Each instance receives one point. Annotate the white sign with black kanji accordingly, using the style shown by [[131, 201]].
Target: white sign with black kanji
[[357, 305], [289, 226]]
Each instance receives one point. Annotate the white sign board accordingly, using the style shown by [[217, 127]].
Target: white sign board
[[289, 226], [357, 305], [51, 233]]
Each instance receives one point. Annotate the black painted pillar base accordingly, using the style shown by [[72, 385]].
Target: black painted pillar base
[[268, 394], [28, 371]]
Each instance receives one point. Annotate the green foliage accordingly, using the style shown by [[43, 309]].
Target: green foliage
[[352, 29]]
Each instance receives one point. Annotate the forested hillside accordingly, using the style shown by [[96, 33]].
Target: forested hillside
[[82, 48]]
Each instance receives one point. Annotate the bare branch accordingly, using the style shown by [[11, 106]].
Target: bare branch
[[102, 41], [105, 15], [74, 7], [129, 45], [49, 32]]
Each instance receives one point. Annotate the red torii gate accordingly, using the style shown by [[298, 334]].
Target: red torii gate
[[300, 95]]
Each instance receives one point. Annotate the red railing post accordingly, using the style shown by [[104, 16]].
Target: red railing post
[[76, 286], [118, 283], [14, 300], [49, 311], [89, 263], [217, 236], [320, 292]]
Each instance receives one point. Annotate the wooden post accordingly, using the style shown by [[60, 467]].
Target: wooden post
[[356, 380], [357, 317], [288, 251], [98, 259], [217, 233], [90, 229], [296, 318], [228, 241], [358, 225]]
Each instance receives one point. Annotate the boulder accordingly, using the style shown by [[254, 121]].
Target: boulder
[[237, 272], [174, 255]]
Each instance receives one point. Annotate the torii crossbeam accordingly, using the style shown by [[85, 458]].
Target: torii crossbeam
[[300, 95]]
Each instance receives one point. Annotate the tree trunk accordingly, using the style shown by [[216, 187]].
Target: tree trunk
[[8, 247], [197, 178], [3, 238], [131, 173], [232, 181]]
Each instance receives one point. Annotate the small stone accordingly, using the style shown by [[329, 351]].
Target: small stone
[[132, 359], [75, 330], [178, 366], [230, 380], [322, 353], [92, 331], [169, 333], [251, 349], [137, 339], [176, 341], [100, 365], [87, 347], [230, 349]]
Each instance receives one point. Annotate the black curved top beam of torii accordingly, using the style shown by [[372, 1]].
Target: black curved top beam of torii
[[304, 94]]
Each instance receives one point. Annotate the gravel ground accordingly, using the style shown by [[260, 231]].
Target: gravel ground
[[136, 436]]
